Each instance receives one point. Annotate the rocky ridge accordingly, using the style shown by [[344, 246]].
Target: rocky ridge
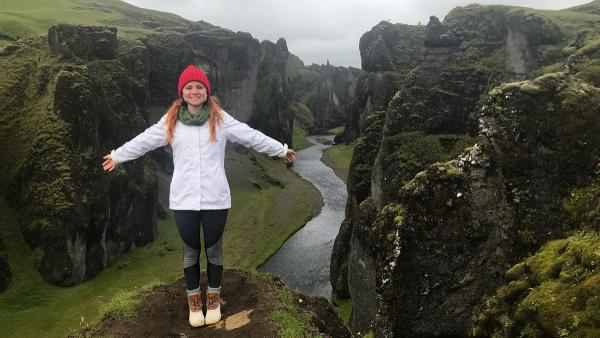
[[468, 178]]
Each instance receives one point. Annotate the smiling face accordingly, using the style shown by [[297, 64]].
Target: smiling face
[[194, 93]]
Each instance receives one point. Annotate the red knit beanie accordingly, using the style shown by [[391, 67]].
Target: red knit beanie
[[191, 73]]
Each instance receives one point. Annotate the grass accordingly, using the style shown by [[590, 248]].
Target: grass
[[344, 308], [338, 158], [299, 137], [123, 306], [32, 307], [336, 131], [291, 320], [34, 17]]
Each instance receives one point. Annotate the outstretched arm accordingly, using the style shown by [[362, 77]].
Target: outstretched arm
[[241, 133], [153, 137], [290, 157]]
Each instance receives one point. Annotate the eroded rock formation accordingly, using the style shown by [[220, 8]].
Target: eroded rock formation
[[469, 176]]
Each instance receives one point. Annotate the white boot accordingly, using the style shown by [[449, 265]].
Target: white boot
[[213, 307], [195, 305]]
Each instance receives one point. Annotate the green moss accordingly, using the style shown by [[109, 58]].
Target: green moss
[[343, 306], [289, 317], [414, 151], [515, 272], [553, 293], [379, 229], [530, 88], [445, 172]]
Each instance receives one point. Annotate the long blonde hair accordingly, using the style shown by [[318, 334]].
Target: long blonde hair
[[215, 117]]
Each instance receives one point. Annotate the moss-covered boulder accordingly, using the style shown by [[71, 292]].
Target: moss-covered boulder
[[554, 293], [86, 42], [582, 205], [403, 155]]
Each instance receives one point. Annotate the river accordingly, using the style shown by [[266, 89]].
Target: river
[[303, 260]]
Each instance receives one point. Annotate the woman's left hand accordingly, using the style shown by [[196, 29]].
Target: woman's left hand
[[290, 157]]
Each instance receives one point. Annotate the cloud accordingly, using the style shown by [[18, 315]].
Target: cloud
[[321, 30]]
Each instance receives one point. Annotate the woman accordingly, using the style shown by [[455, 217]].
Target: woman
[[198, 129]]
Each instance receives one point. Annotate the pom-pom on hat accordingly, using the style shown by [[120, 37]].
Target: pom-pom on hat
[[192, 73]]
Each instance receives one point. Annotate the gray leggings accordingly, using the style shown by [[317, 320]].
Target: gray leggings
[[213, 224]]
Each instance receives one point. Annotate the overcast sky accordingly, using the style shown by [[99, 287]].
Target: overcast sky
[[321, 30]]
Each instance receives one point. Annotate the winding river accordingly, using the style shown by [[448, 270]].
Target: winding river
[[303, 260]]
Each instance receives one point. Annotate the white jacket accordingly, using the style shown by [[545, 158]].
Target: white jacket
[[199, 181]]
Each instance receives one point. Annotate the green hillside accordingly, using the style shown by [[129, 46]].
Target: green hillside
[[34, 17]]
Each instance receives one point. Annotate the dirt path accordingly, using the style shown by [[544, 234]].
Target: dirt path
[[247, 301]]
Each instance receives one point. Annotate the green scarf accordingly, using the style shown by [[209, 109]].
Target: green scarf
[[190, 119]]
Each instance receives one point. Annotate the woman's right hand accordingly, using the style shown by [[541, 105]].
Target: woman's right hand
[[108, 164]]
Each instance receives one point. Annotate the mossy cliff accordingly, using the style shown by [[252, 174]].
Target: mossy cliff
[[473, 172], [70, 98], [70, 107], [359, 185], [272, 99], [388, 53], [326, 91]]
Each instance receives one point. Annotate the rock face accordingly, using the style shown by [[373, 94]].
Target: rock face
[[359, 186], [231, 61], [326, 91], [80, 218], [388, 53], [333, 97], [84, 92], [390, 46], [373, 92], [272, 99], [86, 42], [466, 181], [462, 223]]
